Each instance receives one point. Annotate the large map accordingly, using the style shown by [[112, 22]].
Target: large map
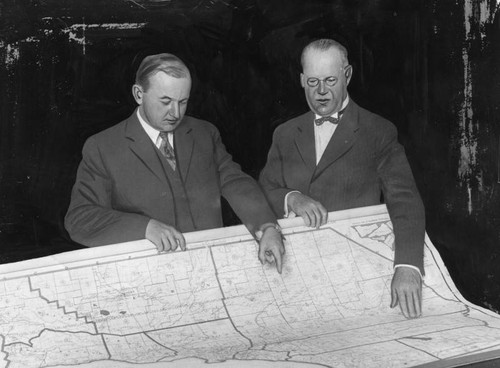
[[215, 305]]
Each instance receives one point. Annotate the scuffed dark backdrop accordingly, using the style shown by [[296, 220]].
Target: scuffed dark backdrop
[[431, 67]]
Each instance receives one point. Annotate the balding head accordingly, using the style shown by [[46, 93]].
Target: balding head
[[325, 44]]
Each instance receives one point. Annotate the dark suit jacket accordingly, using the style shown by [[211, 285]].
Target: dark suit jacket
[[362, 159], [121, 184]]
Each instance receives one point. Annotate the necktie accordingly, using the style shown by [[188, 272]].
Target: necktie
[[329, 119], [167, 150]]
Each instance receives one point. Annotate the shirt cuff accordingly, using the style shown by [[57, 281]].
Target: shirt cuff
[[289, 214], [259, 233], [410, 266]]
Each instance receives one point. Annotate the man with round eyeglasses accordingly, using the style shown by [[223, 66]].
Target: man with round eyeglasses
[[339, 156]]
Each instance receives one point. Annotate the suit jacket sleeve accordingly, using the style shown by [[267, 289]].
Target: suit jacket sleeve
[[271, 178], [403, 201], [241, 191], [90, 219]]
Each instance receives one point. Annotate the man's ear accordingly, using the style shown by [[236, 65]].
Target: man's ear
[[348, 73], [137, 93], [302, 80]]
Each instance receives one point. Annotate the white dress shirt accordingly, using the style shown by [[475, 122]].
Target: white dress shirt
[[324, 132], [154, 134]]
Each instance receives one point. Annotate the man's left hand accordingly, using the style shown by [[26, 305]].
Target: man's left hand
[[406, 290], [271, 248]]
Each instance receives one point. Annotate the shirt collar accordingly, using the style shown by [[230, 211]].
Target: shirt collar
[[335, 114], [150, 131]]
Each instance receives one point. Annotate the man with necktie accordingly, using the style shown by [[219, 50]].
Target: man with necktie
[[340, 156], [160, 173]]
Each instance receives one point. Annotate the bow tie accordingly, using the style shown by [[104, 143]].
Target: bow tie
[[329, 119]]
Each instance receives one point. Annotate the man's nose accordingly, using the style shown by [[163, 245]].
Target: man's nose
[[322, 87], [174, 110]]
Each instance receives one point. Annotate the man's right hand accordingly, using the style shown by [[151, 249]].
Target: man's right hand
[[271, 248], [313, 212], [165, 237]]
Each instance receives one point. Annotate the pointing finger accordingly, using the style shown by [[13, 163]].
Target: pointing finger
[[277, 257]]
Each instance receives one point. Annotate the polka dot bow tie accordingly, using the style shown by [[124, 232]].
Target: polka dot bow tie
[[329, 119]]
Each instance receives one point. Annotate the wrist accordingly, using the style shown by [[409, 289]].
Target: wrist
[[266, 227]]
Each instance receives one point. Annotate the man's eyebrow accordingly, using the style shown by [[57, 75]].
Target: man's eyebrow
[[166, 97]]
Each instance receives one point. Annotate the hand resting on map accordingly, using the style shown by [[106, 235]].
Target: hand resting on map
[[165, 237], [312, 212], [406, 286], [406, 290]]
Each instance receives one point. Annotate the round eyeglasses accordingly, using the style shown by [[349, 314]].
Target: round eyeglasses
[[329, 81]]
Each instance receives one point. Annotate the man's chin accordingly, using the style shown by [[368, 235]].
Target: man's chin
[[168, 127], [323, 110]]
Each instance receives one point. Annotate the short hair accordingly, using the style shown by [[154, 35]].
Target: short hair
[[325, 44], [167, 63]]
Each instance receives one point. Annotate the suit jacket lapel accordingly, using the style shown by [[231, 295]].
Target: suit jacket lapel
[[142, 146], [184, 144], [342, 140], [304, 140]]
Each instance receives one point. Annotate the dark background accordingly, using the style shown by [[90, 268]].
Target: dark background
[[430, 66]]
